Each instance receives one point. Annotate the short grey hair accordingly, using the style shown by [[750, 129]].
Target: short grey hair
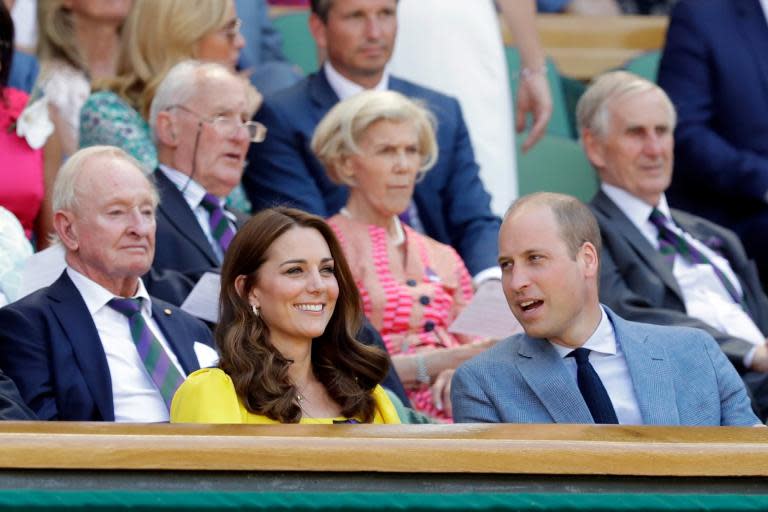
[[65, 197], [339, 132], [181, 83], [576, 223], [592, 110]]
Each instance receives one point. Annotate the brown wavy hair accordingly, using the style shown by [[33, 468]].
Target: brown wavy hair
[[348, 369]]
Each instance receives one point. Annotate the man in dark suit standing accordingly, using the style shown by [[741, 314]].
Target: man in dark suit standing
[[661, 265], [450, 203], [715, 70], [94, 346], [200, 119]]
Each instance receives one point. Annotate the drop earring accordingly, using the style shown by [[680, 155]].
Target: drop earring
[[255, 310]]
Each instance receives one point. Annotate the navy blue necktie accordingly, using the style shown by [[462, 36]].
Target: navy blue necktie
[[592, 388]]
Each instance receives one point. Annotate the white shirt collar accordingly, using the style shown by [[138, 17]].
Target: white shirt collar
[[96, 296], [344, 88], [637, 210], [602, 340], [764, 5], [192, 191]]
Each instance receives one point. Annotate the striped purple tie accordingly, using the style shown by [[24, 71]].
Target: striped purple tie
[[671, 244], [221, 229], [164, 373]]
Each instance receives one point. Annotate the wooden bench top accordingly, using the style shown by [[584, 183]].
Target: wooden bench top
[[469, 448]]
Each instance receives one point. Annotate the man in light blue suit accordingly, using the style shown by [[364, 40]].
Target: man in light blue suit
[[578, 362], [449, 204]]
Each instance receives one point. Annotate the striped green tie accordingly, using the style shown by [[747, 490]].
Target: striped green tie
[[161, 369]]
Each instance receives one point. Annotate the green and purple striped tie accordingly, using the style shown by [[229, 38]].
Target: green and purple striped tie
[[221, 229], [164, 373], [671, 244]]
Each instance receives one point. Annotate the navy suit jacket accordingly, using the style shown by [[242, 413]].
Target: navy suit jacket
[[452, 203], [181, 247], [679, 375], [715, 70], [638, 284], [49, 345]]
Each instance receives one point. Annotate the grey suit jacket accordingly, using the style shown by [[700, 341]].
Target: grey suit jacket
[[679, 375], [637, 283]]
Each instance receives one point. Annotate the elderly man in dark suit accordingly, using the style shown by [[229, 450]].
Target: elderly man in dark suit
[[450, 203], [661, 265], [200, 119], [94, 346]]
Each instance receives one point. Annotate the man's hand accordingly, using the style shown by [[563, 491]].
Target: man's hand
[[760, 359], [441, 391]]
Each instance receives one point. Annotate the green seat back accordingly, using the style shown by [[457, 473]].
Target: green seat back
[[298, 43], [645, 65], [556, 164], [560, 123]]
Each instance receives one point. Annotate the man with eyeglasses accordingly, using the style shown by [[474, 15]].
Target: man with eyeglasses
[[200, 121]]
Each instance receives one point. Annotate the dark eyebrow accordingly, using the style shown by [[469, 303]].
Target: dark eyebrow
[[292, 262], [301, 261]]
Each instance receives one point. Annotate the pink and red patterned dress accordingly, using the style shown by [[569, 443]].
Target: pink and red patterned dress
[[411, 304]]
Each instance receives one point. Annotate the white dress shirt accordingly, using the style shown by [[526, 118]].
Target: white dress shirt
[[135, 396], [608, 360], [764, 5], [704, 294], [193, 194]]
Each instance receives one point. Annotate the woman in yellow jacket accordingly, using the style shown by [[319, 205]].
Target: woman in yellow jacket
[[288, 310]]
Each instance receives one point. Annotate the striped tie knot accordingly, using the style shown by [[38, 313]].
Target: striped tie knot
[[164, 374], [128, 307], [221, 230]]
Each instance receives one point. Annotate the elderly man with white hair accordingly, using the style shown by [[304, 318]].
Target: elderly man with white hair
[[200, 120], [661, 265], [94, 346]]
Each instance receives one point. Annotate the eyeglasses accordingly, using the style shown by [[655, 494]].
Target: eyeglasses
[[232, 29], [228, 126]]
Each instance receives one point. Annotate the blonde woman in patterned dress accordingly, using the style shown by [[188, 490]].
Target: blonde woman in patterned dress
[[379, 143]]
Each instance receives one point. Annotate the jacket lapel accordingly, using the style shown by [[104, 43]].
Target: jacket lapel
[[321, 93], [644, 250], [72, 313], [180, 216], [545, 373], [650, 372], [177, 335]]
